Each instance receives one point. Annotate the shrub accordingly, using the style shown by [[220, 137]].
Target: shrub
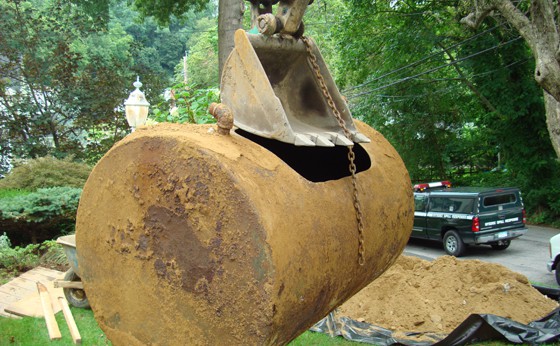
[[191, 106], [18, 259], [7, 193], [53, 256], [40, 215], [44, 204], [47, 172]]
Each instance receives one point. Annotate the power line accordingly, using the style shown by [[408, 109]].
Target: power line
[[445, 90], [418, 62], [434, 69]]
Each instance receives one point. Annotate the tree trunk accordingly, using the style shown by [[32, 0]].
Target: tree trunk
[[553, 121], [230, 18], [541, 35]]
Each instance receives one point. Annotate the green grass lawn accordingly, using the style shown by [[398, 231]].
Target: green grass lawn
[[33, 332]]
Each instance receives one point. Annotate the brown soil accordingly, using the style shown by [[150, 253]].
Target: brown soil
[[417, 295]]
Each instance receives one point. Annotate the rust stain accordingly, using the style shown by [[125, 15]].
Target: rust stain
[[181, 246]]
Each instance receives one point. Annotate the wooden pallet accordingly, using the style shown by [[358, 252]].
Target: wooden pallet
[[20, 297]]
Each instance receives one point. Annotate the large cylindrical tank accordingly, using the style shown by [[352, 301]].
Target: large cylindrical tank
[[188, 237]]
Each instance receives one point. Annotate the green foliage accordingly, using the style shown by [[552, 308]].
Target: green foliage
[[517, 125], [42, 205], [157, 47], [203, 56], [423, 117], [8, 193], [454, 103], [18, 259], [65, 73], [485, 179], [5, 242], [191, 106], [312, 338], [53, 256], [163, 11], [47, 172]]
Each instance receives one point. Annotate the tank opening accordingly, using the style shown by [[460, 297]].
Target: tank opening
[[316, 164]]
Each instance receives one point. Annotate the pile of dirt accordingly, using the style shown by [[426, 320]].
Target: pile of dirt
[[421, 296]]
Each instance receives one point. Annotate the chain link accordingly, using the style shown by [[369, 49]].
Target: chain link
[[351, 155]]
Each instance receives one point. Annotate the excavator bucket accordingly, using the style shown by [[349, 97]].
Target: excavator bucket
[[274, 92]]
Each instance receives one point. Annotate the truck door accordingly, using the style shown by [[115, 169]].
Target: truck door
[[420, 206], [435, 217]]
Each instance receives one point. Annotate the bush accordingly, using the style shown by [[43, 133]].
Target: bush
[[53, 256], [8, 193], [485, 179], [46, 172], [191, 106], [17, 260], [42, 205], [40, 215]]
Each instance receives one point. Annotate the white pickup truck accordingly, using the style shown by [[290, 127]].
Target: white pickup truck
[[554, 250]]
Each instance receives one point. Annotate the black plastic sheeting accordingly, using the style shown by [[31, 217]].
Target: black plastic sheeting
[[476, 328]]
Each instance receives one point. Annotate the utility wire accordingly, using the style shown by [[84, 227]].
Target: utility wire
[[434, 69], [445, 90], [418, 62]]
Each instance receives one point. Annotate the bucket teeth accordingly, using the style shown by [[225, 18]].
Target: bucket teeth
[[339, 139], [320, 140], [360, 138], [303, 140]]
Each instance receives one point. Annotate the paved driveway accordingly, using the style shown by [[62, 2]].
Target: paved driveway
[[527, 255]]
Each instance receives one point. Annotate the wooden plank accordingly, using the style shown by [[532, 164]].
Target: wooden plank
[[19, 297], [5, 314], [38, 273], [52, 326], [30, 305], [5, 300], [74, 332], [19, 284], [68, 284], [14, 291], [8, 297]]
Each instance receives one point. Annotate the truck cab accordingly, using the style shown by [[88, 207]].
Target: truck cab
[[468, 216]]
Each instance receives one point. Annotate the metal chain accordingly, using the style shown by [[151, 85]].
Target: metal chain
[[351, 156]]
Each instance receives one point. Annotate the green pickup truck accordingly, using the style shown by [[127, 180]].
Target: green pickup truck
[[468, 216]]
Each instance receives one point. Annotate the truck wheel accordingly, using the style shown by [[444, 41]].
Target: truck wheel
[[557, 274], [501, 245], [75, 296], [453, 244]]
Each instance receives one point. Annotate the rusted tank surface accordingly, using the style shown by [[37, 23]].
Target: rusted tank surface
[[188, 237]]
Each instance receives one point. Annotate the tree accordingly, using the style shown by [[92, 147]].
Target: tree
[[230, 18], [539, 29], [203, 56], [162, 10], [63, 78], [398, 76]]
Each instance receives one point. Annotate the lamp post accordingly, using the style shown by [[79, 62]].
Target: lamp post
[[136, 107]]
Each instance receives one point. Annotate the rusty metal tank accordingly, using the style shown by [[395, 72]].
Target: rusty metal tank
[[188, 237]]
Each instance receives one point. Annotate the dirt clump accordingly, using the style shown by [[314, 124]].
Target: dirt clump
[[415, 295]]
